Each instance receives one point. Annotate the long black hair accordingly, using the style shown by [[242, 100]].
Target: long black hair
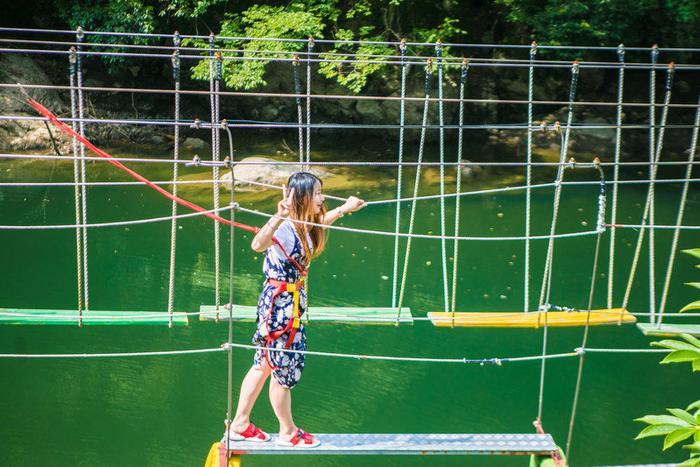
[[302, 209]]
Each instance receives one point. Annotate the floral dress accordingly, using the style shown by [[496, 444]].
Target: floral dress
[[277, 266]]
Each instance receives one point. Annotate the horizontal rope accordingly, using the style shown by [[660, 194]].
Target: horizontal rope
[[53, 157], [162, 353], [336, 126], [348, 42], [424, 236], [457, 62], [346, 56], [195, 92], [114, 224], [590, 350], [653, 227]]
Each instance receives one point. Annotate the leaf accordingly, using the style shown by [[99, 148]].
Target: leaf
[[683, 415], [677, 436], [690, 463], [693, 284], [674, 345], [656, 430], [662, 420], [696, 365], [695, 447], [680, 356], [691, 306], [691, 339], [694, 405], [692, 252]]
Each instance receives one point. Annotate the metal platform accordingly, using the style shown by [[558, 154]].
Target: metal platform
[[669, 330], [91, 317], [407, 444], [347, 315], [533, 319]]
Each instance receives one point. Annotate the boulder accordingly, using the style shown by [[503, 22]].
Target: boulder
[[264, 172], [196, 145]]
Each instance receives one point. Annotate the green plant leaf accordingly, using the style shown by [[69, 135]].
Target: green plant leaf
[[694, 405], [683, 415], [696, 365], [691, 339], [693, 284], [662, 420], [656, 430], [691, 306], [695, 447], [680, 356], [690, 463], [693, 252], [674, 345], [677, 436]]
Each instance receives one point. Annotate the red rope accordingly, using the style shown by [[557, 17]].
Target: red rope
[[195, 207]]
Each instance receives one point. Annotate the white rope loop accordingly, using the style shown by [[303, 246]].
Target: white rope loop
[[176, 156], [77, 180], [300, 118], [616, 171], [528, 177], [458, 187], [416, 184], [441, 119], [679, 219], [399, 174], [310, 49], [83, 189]]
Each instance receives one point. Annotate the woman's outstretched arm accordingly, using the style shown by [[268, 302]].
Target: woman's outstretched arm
[[352, 204]]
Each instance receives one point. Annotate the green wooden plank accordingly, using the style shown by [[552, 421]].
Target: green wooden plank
[[667, 330], [344, 314], [70, 317]]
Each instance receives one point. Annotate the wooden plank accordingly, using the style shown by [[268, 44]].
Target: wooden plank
[[407, 444], [669, 330], [534, 319], [16, 316], [349, 315]]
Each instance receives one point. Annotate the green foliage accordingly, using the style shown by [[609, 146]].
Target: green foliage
[[353, 74], [187, 8], [677, 427], [291, 22]]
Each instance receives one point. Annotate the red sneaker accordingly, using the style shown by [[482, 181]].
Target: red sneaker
[[252, 433], [301, 440]]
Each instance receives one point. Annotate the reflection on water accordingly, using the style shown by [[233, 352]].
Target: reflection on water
[[167, 410]]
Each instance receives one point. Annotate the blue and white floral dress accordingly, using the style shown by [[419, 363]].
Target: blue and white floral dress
[[277, 266]]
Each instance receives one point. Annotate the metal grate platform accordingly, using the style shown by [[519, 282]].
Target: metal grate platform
[[344, 314], [408, 444]]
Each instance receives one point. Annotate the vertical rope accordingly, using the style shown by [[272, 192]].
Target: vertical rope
[[229, 382], [399, 174], [176, 156], [547, 278], [83, 189], [652, 119], [458, 185], [300, 118], [421, 146], [581, 355], [214, 80], [443, 243], [650, 192], [72, 60], [679, 218], [616, 172], [528, 177], [308, 101]]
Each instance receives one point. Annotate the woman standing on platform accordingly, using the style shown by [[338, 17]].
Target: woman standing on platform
[[289, 243]]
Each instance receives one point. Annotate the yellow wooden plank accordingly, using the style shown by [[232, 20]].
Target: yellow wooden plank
[[534, 319]]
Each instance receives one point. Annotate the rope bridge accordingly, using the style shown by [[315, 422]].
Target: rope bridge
[[434, 68]]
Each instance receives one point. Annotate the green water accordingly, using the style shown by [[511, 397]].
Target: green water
[[168, 410]]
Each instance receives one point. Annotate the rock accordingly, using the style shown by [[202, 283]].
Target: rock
[[271, 174], [470, 170], [196, 145], [369, 109]]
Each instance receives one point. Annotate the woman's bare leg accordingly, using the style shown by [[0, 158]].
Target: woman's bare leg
[[281, 400], [250, 390]]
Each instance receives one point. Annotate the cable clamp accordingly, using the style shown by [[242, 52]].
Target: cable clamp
[[533, 49], [580, 351], [235, 206], [196, 162], [79, 33], [545, 307], [176, 39], [227, 346]]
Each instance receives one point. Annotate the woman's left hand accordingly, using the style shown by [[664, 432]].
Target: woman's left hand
[[353, 204]]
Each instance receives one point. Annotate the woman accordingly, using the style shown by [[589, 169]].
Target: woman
[[289, 246]]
